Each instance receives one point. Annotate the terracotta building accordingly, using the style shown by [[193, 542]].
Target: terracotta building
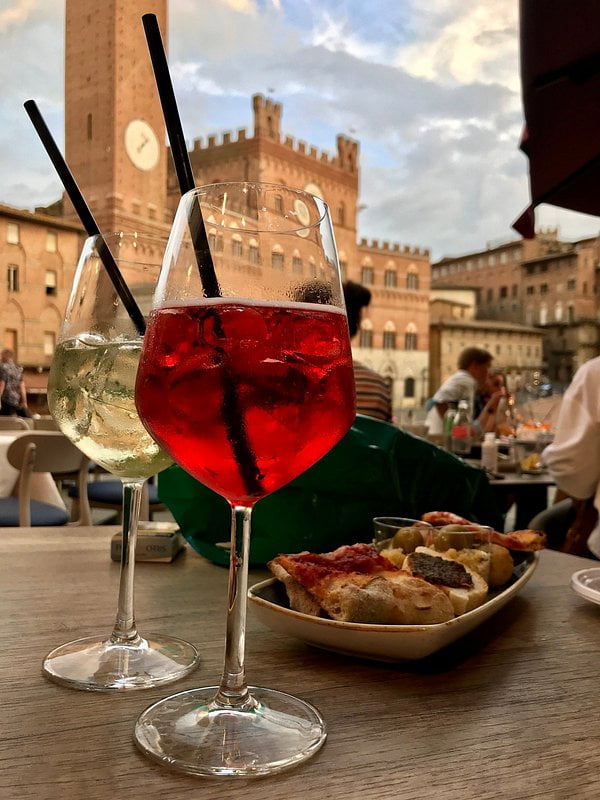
[[114, 135], [516, 349], [544, 282]]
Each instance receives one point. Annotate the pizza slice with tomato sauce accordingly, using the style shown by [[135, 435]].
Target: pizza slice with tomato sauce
[[356, 584], [526, 540]]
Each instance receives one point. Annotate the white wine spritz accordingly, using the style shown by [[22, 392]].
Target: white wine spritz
[[91, 396]]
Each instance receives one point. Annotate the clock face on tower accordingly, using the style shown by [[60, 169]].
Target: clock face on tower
[[141, 145]]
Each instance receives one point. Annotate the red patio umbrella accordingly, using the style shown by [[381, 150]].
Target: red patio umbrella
[[560, 78]]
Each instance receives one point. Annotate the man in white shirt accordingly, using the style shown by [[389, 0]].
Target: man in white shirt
[[573, 458], [473, 367]]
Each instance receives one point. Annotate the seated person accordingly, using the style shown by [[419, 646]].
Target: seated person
[[373, 391], [573, 458], [473, 368], [492, 395]]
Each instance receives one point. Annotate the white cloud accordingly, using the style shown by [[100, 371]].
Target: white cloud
[[333, 33], [244, 6], [15, 13], [465, 42]]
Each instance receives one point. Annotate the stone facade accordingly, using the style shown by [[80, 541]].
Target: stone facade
[[114, 135], [394, 336], [542, 282], [517, 349], [39, 254], [114, 129]]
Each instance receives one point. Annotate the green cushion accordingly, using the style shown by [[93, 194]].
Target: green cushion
[[376, 470]]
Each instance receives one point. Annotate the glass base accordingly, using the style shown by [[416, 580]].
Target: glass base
[[190, 733], [101, 665]]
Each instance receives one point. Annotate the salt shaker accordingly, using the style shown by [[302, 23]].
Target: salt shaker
[[489, 452]]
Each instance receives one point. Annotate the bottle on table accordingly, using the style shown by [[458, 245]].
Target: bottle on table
[[462, 430], [447, 425], [489, 452], [506, 424]]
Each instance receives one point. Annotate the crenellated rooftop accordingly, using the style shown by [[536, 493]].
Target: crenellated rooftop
[[375, 246], [267, 118]]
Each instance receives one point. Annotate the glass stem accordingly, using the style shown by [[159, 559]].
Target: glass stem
[[233, 690], [125, 630]]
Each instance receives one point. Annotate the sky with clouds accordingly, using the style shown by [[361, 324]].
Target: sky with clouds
[[430, 90]]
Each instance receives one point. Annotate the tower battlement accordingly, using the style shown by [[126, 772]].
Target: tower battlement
[[267, 124], [219, 140], [267, 117], [375, 246]]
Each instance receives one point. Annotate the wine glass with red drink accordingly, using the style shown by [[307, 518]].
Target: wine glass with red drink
[[245, 390]]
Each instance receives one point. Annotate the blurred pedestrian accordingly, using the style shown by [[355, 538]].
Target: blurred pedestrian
[[373, 391], [13, 396]]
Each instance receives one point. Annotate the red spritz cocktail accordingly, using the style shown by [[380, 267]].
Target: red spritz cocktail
[[245, 384], [291, 368]]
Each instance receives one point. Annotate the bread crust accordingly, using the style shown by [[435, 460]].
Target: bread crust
[[299, 598], [388, 597]]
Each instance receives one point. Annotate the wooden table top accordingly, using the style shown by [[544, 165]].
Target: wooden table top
[[523, 479], [507, 712]]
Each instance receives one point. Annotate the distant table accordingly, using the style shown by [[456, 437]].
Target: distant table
[[529, 492], [508, 712], [43, 486]]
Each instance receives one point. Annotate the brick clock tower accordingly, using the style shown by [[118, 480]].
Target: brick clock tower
[[114, 129]]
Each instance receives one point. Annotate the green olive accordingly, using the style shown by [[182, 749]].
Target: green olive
[[408, 539], [441, 541], [457, 537], [457, 528]]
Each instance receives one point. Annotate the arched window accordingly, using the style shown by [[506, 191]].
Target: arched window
[[367, 273], [277, 256], [412, 278], [278, 200], [253, 253], [543, 314], [409, 386], [389, 336], [219, 243], [341, 214], [212, 238], [236, 245], [390, 276], [365, 336], [558, 311], [410, 337], [297, 266], [312, 267]]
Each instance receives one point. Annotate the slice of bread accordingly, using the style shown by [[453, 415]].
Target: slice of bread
[[388, 597]]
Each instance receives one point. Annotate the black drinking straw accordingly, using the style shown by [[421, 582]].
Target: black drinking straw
[[85, 215], [232, 413], [181, 158]]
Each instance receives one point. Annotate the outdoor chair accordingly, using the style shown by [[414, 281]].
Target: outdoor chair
[[45, 424], [108, 494], [15, 424], [38, 452]]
